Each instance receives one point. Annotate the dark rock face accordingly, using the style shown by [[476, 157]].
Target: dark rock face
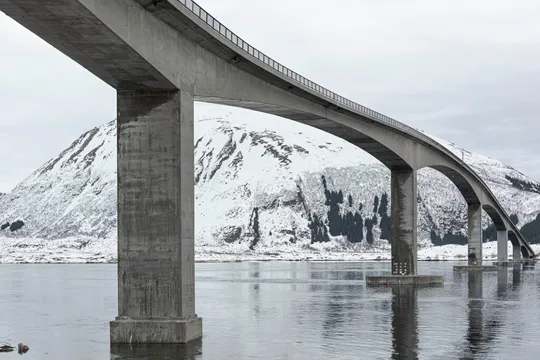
[[16, 225]]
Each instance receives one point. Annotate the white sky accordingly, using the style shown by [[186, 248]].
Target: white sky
[[465, 71]]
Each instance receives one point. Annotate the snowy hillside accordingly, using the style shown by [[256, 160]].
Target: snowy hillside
[[273, 187]]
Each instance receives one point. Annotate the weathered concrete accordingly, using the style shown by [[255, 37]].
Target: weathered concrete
[[503, 263], [188, 351], [404, 221], [475, 268], [516, 253], [379, 280], [156, 282], [508, 263], [474, 222], [502, 246]]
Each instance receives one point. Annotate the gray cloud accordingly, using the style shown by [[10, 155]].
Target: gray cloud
[[464, 71]]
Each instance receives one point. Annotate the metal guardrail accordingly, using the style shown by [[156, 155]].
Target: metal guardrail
[[298, 79]]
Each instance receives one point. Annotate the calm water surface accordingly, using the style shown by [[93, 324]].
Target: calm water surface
[[283, 310]]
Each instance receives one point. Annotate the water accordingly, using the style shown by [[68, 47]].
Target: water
[[283, 310]]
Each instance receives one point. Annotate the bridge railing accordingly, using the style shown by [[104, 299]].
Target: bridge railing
[[323, 92]]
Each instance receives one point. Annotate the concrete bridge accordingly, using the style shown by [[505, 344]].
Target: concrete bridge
[[161, 56]]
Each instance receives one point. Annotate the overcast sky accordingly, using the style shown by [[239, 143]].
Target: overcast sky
[[465, 71]]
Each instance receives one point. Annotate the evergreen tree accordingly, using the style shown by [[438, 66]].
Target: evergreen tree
[[514, 219], [531, 231], [257, 235], [375, 204], [350, 201], [490, 233], [340, 197], [359, 227], [386, 227], [383, 207], [435, 239], [451, 238], [369, 231]]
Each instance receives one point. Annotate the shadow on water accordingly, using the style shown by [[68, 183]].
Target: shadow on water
[[190, 351]]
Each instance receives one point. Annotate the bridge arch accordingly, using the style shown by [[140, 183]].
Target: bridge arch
[[520, 248], [463, 185], [497, 219], [367, 137]]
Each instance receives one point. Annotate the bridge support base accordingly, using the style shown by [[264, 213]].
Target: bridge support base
[[155, 331], [475, 267], [380, 280], [506, 263], [516, 252], [156, 257]]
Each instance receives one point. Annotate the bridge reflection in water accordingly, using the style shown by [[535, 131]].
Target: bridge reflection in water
[[189, 351], [484, 317]]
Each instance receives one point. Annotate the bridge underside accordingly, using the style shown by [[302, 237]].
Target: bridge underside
[[72, 28], [366, 143]]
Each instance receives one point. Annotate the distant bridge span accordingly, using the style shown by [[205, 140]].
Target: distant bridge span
[[161, 56]]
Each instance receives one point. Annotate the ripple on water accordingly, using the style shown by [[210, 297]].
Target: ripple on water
[[283, 311]]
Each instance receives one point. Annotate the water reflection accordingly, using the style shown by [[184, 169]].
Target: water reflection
[[255, 290], [190, 351], [475, 331], [502, 282], [516, 275], [485, 320], [528, 265], [404, 322], [251, 311]]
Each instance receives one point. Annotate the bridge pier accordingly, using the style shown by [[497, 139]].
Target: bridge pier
[[156, 273], [502, 246], [404, 190], [403, 186], [516, 253], [474, 222]]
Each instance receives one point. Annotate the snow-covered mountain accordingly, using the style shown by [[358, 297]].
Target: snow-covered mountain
[[268, 186]]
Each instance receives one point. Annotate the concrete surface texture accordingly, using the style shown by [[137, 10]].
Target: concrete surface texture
[[474, 223], [404, 192], [161, 56], [156, 273], [502, 246]]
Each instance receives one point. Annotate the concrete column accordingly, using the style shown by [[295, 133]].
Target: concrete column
[[404, 221], [474, 221], [516, 252], [516, 247], [156, 292], [502, 246]]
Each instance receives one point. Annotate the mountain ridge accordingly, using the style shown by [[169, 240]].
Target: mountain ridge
[[278, 187]]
